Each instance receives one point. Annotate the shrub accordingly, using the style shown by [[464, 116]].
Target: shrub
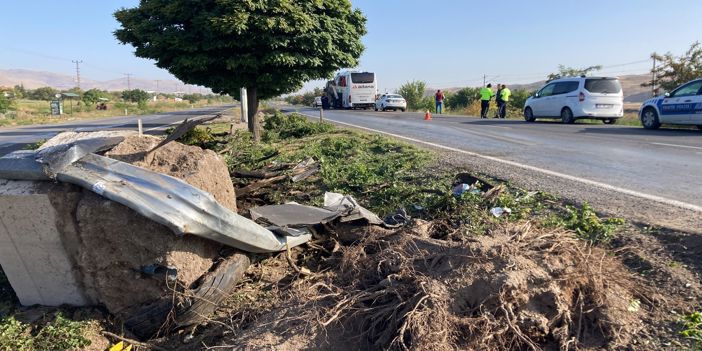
[[282, 126]]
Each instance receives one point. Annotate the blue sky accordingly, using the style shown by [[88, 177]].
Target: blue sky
[[446, 43]]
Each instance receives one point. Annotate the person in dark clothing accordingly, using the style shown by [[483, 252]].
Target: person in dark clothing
[[325, 102], [439, 99], [498, 100]]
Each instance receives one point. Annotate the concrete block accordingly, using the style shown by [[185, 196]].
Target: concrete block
[[33, 251]]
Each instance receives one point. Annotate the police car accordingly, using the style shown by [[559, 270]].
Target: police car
[[681, 106]]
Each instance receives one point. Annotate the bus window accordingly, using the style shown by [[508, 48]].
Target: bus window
[[362, 77], [342, 81]]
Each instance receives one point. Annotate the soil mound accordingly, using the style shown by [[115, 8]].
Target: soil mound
[[200, 168], [517, 288], [126, 261]]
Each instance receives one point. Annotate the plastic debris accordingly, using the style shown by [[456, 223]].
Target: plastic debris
[[499, 211]]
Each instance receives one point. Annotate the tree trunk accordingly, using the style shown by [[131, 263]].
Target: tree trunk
[[252, 104]]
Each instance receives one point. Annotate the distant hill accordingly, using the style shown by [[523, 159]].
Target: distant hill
[[37, 79], [631, 85]]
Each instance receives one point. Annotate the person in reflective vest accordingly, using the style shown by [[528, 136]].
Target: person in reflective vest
[[505, 93], [485, 97]]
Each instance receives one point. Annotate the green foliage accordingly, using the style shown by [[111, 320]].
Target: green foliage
[[305, 99], [413, 92], [197, 136], [135, 95], [564, 71], [462, 98], [587, 225], [673, 71], [270, 47], [19, 91], [14, 335], [282, 126], [5, 103], [692, 328], [93, 96], [59, 334], [192, 98], [44, 93], [519, 98]]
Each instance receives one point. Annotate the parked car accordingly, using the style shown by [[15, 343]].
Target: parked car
[[577, 98], [317, 101], [390, 102], [681, 106]]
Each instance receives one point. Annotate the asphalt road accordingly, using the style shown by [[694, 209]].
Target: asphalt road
[[16, 138], [662, 167]]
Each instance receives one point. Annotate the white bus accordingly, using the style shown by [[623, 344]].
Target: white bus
[[352, 89]]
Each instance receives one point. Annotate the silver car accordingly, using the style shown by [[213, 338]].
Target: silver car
[[390, 102]]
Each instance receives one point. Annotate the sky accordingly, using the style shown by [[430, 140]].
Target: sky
[[446, 43]]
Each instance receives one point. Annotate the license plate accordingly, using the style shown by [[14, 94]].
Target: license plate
[[604, 106]]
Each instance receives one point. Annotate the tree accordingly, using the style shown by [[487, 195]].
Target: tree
[[270, 47], [413, 92], [92, 96], [135, 95], [192, 98], [519, 98], [5, 103], [44, 93], [19, 91], [564, 71], [462, 98], [674, 71]]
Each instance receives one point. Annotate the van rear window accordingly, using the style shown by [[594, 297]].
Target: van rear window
[[362, 77], [603, 85]]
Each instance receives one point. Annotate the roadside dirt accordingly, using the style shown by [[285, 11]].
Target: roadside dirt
[[611, 203]]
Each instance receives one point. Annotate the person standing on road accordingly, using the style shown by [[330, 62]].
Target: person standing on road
[[505, 93], [498, 100], [439, 99], [485, 97]]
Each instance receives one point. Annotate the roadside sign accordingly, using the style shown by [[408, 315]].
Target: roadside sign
[[56, 108]]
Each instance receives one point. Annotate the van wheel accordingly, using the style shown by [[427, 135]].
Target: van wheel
[[376, 109], [567, 116], [649, 118], [529, 115], [609, 121]]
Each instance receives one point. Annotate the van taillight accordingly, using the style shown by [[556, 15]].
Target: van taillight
[[581, 97]]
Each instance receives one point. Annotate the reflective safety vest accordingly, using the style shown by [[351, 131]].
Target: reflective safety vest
[[505, 94], [485, 93]]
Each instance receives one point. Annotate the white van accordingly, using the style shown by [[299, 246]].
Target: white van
[[576, 98]]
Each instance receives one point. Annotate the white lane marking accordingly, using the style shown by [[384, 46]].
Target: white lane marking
[[680, 146], [651, 197]]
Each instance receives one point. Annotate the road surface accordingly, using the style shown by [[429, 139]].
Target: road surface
[[660, 170], [16, 138]]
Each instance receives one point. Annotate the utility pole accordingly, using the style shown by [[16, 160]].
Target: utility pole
[[484, 80], [653, 76], [77, 62], [157, 81], [129, 81]]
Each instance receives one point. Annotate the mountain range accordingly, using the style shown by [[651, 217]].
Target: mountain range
[[631, 84], [36, 79]]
